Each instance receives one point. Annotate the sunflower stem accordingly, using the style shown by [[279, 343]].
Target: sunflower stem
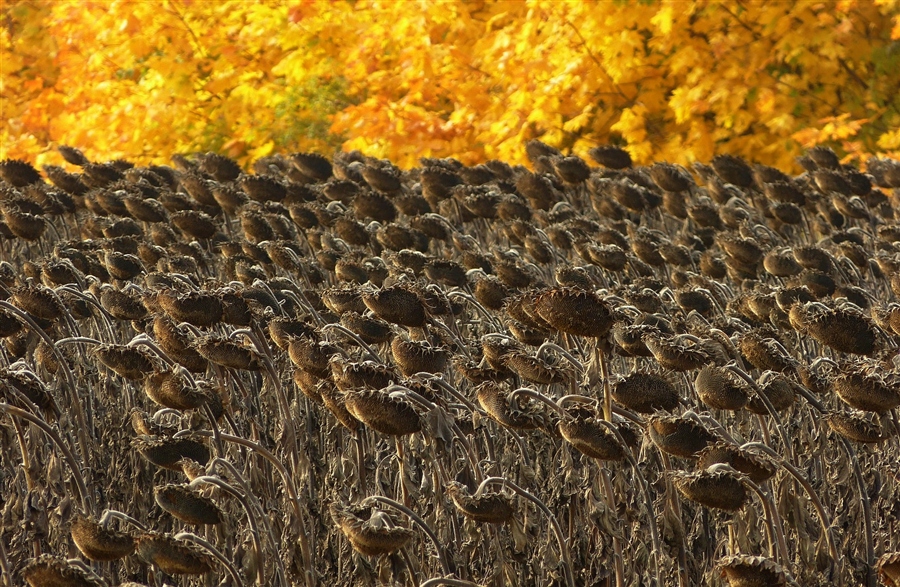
[[291, 489], [785, 437], [617, 542], [536, 395], [448, 581], [346, 331], [4, 566], [824, 518], [554, 524], [251, 519], [81, 422], [215, 552], [867, 511], [26, 461], [84, 496], [107, 514], [648, 498], [604, 376], [777, 545], [418, 521]]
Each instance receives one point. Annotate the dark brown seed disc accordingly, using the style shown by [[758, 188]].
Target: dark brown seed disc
[[672, 353], [488, 508], [38, 301], [348, 375], [721, 490], [172, 555], [397, 306], [418, 356], [372, 330], [383, 413], [592, 438], [764, 354], [166, 452], [778, 390], [755, 467], [371, 536], [611, 156], [311, 355], [51, 571], [575, 311], [171, 389], [129, 362], [535, 369], [752, 571], [679, 436], [646, 393], [187, 504], [854, 426], [844, 331], [866, 392], [198, 308], [718, 388], [494, 400], [123, 305], [283, 329], [312, 165], [19, 173], [227, 353], [97, 542], [732, 169]]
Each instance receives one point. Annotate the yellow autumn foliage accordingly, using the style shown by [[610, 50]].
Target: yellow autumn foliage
[[672, 80]]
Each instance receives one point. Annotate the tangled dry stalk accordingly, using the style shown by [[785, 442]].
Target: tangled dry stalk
[[338, 372]]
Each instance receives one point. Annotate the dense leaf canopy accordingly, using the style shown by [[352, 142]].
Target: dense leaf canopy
[[671, 80]]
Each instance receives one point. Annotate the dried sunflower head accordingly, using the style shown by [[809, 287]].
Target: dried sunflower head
[[48, 570], [227, 353], [844, 330], [168, 452], [19, 173], [718, 388], [535, 369], [130, 362], [866, 391], [39, 301], [383, 412], [611, 156], [679, 436], [575, 311], [97, 542], [349, 375], [171, 389], [591, 438], [413, 357], [374, 535], [396, 305], [742, 570], [187, 504], [855, 426], [719, 489], [172, 555], [646, 393], [489, 507], [676, 353], [757, 468], [494, 400]]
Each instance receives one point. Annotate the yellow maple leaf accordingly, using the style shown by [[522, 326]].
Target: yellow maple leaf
[[663, 19]]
